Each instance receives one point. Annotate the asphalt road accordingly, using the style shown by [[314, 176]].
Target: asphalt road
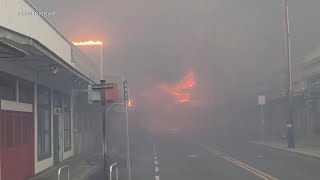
[[173, 157]]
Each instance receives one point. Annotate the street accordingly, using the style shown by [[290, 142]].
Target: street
[[172, 157]]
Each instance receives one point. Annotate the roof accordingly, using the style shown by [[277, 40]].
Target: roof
[[27, 52]]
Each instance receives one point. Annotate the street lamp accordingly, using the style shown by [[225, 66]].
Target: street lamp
[[290, 122]]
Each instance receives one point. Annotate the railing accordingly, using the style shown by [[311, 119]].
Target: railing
[[111, 171], [60, 169]]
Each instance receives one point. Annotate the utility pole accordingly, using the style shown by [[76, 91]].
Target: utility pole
[[290, 122], [125, 99], [104, 138], [262, 121], [262, 102]]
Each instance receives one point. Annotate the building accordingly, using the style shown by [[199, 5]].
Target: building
[[44, 114], [306, 102]]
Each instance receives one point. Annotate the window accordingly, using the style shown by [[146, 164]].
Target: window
[[67, 123], [7, 88], [25, 92], [44, 123], [67, 132]]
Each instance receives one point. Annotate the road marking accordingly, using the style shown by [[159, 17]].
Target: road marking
[[156, 168], [249, 168], [244, 166]]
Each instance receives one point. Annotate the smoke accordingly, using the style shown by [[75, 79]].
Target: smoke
[[231, 46]]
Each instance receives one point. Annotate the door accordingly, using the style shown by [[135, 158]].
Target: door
[[56, 142], [57, 105], [17, 145]]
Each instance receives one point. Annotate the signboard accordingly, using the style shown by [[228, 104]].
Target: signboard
[[103, 86], [125, 90], [261, 100], [103, 93], [94, 94], [111, 94]]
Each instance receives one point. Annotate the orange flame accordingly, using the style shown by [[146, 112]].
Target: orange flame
[[129, 102], [181, 91], [88, 43]]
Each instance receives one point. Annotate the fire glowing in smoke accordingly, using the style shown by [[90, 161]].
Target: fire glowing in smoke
[[181, 91], [88, 43], [129, 102]]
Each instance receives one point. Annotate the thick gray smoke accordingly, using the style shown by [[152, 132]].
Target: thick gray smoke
[[233, 46]]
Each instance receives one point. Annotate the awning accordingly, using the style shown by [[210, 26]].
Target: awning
[[30, 57]]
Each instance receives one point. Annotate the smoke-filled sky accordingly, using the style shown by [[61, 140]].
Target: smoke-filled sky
[[231, 45]]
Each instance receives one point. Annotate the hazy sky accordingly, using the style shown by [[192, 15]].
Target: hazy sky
[[230, 44]]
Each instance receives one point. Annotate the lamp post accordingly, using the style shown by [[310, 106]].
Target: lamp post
[[290, 122], [125, 99]]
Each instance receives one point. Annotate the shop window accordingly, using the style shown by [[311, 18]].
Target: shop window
[[44, 123], [67, 132], [67, 123]]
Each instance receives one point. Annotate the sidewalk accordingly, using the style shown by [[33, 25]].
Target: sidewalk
[[80, 168], [302, 148]]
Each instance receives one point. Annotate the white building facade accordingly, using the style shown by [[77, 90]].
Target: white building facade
[[43, 114]]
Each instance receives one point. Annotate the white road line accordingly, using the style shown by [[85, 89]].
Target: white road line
[[156, 168]]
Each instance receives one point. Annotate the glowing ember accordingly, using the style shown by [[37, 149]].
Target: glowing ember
[[180, 92], [129, 103], [88, 43]]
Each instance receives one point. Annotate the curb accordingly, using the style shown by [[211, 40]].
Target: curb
[[292, 152]]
